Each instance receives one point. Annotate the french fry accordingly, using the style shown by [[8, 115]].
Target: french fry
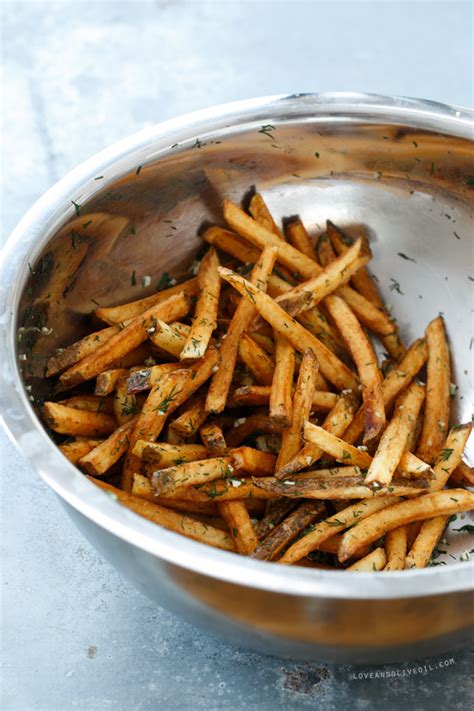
[[125, 403], [425, 542], [285, 532], [277, 511], [376, 560], [332, 368], [281, 392], [250, 426], [261, 214], [231, 243], [120, 314], [439, 503], [394, 438], [191, 419], [168, 455], [396, 542], [79, 448], [91, 403], [106, 381], [146, 378], [336, 422], [142, 488], [249, 461], [366, 361], [79, 350], [220, 384], [125, 340], [70, 421], [170, 337], [250, 395], [223, 490], [241, 529], [450, 456], [177, 522], [299, 238], [463, 475], [437, 405], [205, 317], [189, 474], [338, 488], [264, 341], [395, 382], [100, 459], [291, 438], [212, 437], [335, 524], [260, 364]]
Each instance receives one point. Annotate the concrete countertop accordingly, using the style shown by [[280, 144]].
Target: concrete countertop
[[78, 76]]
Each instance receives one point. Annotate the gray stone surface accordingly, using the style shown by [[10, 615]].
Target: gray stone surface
[[78, 76]]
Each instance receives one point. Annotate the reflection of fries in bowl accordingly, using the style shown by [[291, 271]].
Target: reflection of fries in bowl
[[286, 463]]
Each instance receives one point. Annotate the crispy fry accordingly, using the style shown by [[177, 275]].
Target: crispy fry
[[241, 529], [106, 381], [91, 403], [450, 456], [67, 357], [177, 522], [168, 455], [192, 417], [376, 560], [250, 395], [99, 460], [170, 338], [291, 438], [205, 317], [79, 448], [463, 475], [425, 542], [220, 384], [281, 393], [146, 378], [283, 534], [394, 439], [249, 461], [125, 340], [125, 403], [278, 509], [439, 503], [260, 364], [213, 438], [223, 490], [119, 314], [189, 474], [231, 243], [70, 421], [396, 542], [335, 524], [261, 214], [249, 426], [299, 238], [338, 487], [437, 405], [366, 361], [332, 368]]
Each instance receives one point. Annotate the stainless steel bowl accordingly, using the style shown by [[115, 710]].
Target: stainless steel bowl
[[401, 167]]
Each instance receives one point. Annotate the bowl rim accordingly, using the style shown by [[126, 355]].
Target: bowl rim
[[26, 431]]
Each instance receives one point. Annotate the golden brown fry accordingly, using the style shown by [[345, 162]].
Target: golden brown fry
[[366, 361], [261, 214], [168, 455], [437, 405], [125, 403], [284, 533], [281, 393], [213, 438], [205, 317], [241, 529], [376, 560], [79, 448], [394, 438], [450, 456], [248, 461], [299, 238], [260, 364], [338, 487], [170, 480], [91, 403], [99, 460], [336, 447], [396, 542], [245, 427], [119, 314], [170, 338], [177, 522], [67, 357], [425, 542], [395, 382], [106, 381], [231, 243], [193, 416], [463, 475], [250, 395], [314, 539], [291, 438], [439, 503], [147, 377], [220, 384], [125, 340], [332, 368], [70, 421]]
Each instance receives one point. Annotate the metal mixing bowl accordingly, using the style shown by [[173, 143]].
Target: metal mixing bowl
[[400, 167]]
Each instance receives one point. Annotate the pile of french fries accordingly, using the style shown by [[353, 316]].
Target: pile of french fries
[[246, 407]]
